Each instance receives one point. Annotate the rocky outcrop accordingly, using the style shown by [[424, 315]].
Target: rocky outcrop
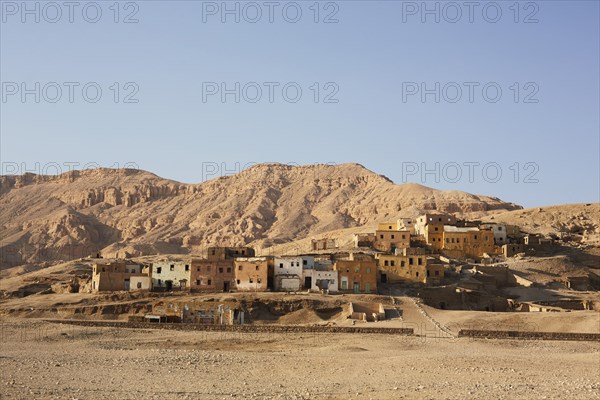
[[126, 212]]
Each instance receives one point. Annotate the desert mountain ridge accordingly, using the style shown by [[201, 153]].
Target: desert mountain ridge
[[128, 212]]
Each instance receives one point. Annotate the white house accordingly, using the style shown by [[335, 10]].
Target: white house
[[499, 231], [287, 273], [170, 274]]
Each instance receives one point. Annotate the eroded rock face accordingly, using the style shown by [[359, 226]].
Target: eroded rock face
[[135, 212]]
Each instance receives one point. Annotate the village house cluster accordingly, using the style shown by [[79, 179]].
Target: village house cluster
[[414, 251]]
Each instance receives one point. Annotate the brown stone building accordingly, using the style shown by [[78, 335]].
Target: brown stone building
[[252, 273], [433, 219], [467, 242], [224, 253], [115, 275], [323, 244], [435, 273], [402, 268], [358, 276], [215, 275], [388, 237]]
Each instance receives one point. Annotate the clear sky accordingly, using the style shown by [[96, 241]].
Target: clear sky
[[488, 88]]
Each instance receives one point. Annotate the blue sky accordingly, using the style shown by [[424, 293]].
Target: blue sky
[[370, 68]]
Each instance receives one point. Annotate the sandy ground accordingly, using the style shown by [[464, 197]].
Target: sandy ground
[[51, 361]]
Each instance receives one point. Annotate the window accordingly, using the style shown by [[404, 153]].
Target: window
[[139, 285], [402, 263], [403, 236], [158, 271], [392, 236], [447, 240], [258, 280], [411, 261], [420, 261], [103, 270], [228, 269], [437, 273], [417, 274], [280, 265], [159, 282], [238, 281], [304, 262], [368, 270], [213, 252], [475, 237], [172, 267], [297, 263], [436, 228], [209, 282], [385, 263], [198, 269], [187, 267], [392, 263], [380, 236], [390, 227], [347, 269], [357, 269], [220, 270], [257, 267], [243, 252], [250, 280], [241, 267]]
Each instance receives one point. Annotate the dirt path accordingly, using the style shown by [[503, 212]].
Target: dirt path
[[414, 316]]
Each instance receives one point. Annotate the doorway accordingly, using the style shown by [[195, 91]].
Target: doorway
[[307, 282]]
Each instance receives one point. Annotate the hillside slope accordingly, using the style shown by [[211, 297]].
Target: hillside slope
[[130, 212]]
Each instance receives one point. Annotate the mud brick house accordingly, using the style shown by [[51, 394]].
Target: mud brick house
[[357, 276], [402, 268], [115, 275], [434, 272], [467, 242], [323, 244], [228, 253], [512, 249], [388, 237], [215, 275], [252, 273], [499, 231], [407, 224], [364, 239], [433, 219]]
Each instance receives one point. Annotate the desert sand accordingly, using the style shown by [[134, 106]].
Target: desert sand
[[50, 361]]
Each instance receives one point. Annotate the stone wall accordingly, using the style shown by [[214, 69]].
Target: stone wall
[[239, 328], [473, 333]]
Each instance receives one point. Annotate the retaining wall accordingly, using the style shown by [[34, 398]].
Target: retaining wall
[[473, 333], [238, 328]]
